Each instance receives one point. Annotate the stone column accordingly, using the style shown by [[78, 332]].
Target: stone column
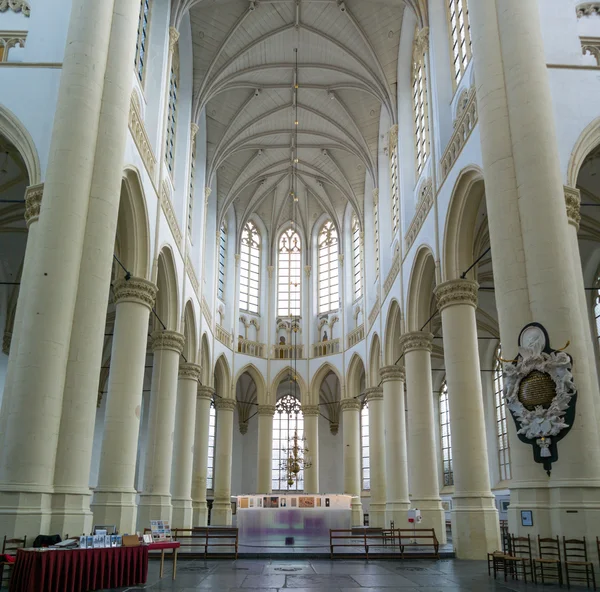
[[221, 510], [265, 447], [422, 454], [199, 473], [39, 364], [71, 499], [311, 433], [475, 525], [155, 500], [183, 447], [114, 499], [396, 462], [352, 453], [376, 457]]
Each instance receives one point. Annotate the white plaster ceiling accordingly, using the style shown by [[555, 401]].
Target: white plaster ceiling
[[244, 76]]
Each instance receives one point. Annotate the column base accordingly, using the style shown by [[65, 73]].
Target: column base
[[71, 514], [475, 527], [199, 513], [182, 513], [153, 506], [220, 514], [432, 516], [24, 513], [397, 512], [357, 512], [377, 515], [115, 507]]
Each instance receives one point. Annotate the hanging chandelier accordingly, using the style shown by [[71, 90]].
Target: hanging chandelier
[[297, 455]]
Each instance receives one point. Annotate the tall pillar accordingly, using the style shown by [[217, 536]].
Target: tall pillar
[[114, 500], [39, 365], [534, 279], [221, 510], [199, 473], [475, 524], [311, 433], [71, 500], [376, 457], [422, 456], [352, 454], [183, 447], [396, 462], [265, 447], [155, 500]]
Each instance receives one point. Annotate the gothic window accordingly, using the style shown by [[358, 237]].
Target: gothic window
[[394, 184], [250, 269], [289, 274], [445, 436], [141, 45], [376, 232], [460, 37], [420, 103], [364, 446], [212, 433], [356, 258], [222, 255], [288, 421], [329, 288], [501, 422], [172, 111], [192, 186]]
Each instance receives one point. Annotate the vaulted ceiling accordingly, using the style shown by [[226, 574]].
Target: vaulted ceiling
[[252, 83]]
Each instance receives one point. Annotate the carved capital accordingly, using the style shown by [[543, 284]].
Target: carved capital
[[456, 292], [310, 410], [270, 270], [173, 38], [341, 259], [375, 196], [170, 340], [194, 127], [207, 192], [268, 410], [33, 202], [334, 428], [205, 392], [416, 341], [350, 405], [16, 6], [136, 290], [421, 42], [587, 9], [393, 137], [6, 339], [237, 259], [573, 203], [307, 270], [390, 373], [190, 371], [374, 393], [225, 404], [243, 427]]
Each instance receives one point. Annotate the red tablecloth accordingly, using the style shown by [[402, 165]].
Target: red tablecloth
[[79, 570], [164, 545]]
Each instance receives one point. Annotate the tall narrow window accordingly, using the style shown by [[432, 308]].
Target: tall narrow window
[[192, 186], [250, 268], [445, 436], [142, 39], [329, 289], [394, 183], [222, 255], [356, 258], [212, 433], [288, 421], [501, 423], [290, 274], [376, 229], [364, 446], [420, 103], [597, 308], [172, 112], [460, 37]]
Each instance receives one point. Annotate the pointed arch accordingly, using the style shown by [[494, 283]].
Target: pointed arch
[[317, 380], [375, 361], [207, 375], [259, 381], [587, 141], [167, 299], [356, 377], [420, 289], [223, 378], [284, 375], [393, 330], [190, 348]]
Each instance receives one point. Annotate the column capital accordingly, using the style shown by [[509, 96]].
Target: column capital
[[167, 340], [307, 270], [390, 373], [136, 290], [350, 405], [205, 392], [310, 410], [456, 292], [375, 196], [190, 371], [417, 340], [194, 127], [573, 203], [33, 203], [268, 410], [225, 404], [173, 38], [374, 393]]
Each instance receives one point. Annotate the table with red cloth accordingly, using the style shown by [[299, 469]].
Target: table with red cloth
[[79, 570], [162, 546]]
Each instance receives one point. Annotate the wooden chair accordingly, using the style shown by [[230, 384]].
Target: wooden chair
[[577, 566], [549, 560], [520, 558], [9, 547]]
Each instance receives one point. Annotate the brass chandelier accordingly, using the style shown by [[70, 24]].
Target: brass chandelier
[[297, 455]]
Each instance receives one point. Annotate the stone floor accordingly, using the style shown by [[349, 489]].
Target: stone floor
[[249, 575]]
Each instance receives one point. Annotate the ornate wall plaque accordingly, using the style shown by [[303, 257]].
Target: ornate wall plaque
[[540, 394]]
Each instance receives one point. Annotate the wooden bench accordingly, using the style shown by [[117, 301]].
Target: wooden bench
[[419, 538], [219, 536]]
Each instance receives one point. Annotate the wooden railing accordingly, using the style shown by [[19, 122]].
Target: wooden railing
[[326, 348]]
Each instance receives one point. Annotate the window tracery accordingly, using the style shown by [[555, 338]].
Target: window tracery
[[328, 248], [420, 100], [142, 40], [288, 420], [250, 269], [289, 284]]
